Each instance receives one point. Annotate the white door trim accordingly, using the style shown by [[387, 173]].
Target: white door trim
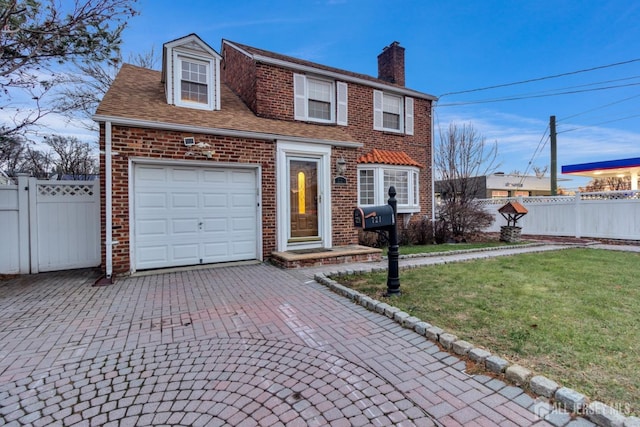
[[322, 153], [133, 161]]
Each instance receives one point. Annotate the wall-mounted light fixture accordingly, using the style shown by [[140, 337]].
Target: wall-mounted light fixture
[[189, 141], [341, 166]]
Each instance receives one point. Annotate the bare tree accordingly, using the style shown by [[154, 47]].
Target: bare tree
[[462, 157], [609, 183], [11, 154], [36, 162], [86, 89], [36, 36], [540, 172], [72, 158]]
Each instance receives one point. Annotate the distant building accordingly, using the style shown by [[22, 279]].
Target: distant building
[[499, 185], [620, 168]]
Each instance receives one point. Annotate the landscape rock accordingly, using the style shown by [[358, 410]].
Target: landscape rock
[[478, 355], [447, 340], [518, 374], [604, 415], [543, 386], [496, 364], [570, 400], [461, 347]]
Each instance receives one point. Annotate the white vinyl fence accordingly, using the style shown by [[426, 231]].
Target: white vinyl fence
[[49, 225], [608, 215]]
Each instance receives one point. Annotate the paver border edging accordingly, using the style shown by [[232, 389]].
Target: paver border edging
[[468, 251], [542, 387]]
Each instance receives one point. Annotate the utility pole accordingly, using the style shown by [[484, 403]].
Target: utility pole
[[554, 156]]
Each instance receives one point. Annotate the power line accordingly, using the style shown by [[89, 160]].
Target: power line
[[521, 97], [541, 78], [601, 123], [600, 107], [541, 144]]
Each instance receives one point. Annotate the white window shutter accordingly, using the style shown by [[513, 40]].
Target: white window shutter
[[300, 97], [342, 116], [408, 112], [377, 110]]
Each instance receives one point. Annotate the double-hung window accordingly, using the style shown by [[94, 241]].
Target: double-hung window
[[374, 182], [392, 113], [194, 82], [319, 100]]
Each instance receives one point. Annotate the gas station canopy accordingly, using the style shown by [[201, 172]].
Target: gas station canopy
[[610, 168]]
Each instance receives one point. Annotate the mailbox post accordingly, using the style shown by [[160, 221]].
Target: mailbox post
[[393, 272], [383, 218]]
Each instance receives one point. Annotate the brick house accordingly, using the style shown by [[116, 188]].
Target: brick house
[[247, 153]]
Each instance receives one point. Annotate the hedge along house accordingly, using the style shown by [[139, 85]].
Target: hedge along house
[[243, 154]]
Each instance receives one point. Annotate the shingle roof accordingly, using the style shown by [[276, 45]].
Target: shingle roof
[[137, 93], [265, 53], [388, 158], [513, 208]]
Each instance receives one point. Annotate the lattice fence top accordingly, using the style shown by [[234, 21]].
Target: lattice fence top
[[611, 195], [66, 189], [606, 195]]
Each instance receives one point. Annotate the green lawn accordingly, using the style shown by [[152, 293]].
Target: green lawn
[[571, 315]]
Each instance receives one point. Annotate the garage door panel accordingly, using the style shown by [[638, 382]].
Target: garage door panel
[[182, 176], [152, 227], [186, 216], [151, 174], [152, 255], [215, 176], [242, 177], [215, 200], [216, 250], [242, 224], [243, 201], [244, 247], [184, 200], [186, 252], [215, 225], [151, 200], [182, 226]]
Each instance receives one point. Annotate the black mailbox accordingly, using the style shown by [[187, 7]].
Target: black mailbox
[[374, 217]]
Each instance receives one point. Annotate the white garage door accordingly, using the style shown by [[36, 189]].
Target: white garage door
[[193, 215]]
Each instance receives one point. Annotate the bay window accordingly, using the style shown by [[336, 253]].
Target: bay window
[[374, 182]]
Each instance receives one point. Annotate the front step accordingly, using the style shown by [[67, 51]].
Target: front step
[[319, 257]]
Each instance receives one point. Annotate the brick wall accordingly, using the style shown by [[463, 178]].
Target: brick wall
[[156, 144], [239, 72], [391, 64], [274, 99]]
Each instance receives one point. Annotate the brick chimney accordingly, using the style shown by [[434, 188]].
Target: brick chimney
[[391, 64]]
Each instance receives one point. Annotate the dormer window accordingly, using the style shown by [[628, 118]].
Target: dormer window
[[194, 82], [319, 100], [191, 74]]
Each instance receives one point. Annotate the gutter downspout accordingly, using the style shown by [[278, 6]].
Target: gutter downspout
[[108, 201], [433, 172]]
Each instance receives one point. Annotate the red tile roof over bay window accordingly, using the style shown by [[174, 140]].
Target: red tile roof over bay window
[[388, 158]]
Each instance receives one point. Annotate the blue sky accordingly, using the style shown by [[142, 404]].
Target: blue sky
[[451, 47]]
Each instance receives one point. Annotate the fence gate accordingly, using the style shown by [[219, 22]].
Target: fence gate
[[56, 226]]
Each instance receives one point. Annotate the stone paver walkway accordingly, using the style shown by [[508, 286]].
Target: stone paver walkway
[[244, 345]]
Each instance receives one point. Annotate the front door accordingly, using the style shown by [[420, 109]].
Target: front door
[[303, 200], [303, 188]]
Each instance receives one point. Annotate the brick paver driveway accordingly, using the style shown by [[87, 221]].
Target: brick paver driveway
[[243, 345]]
